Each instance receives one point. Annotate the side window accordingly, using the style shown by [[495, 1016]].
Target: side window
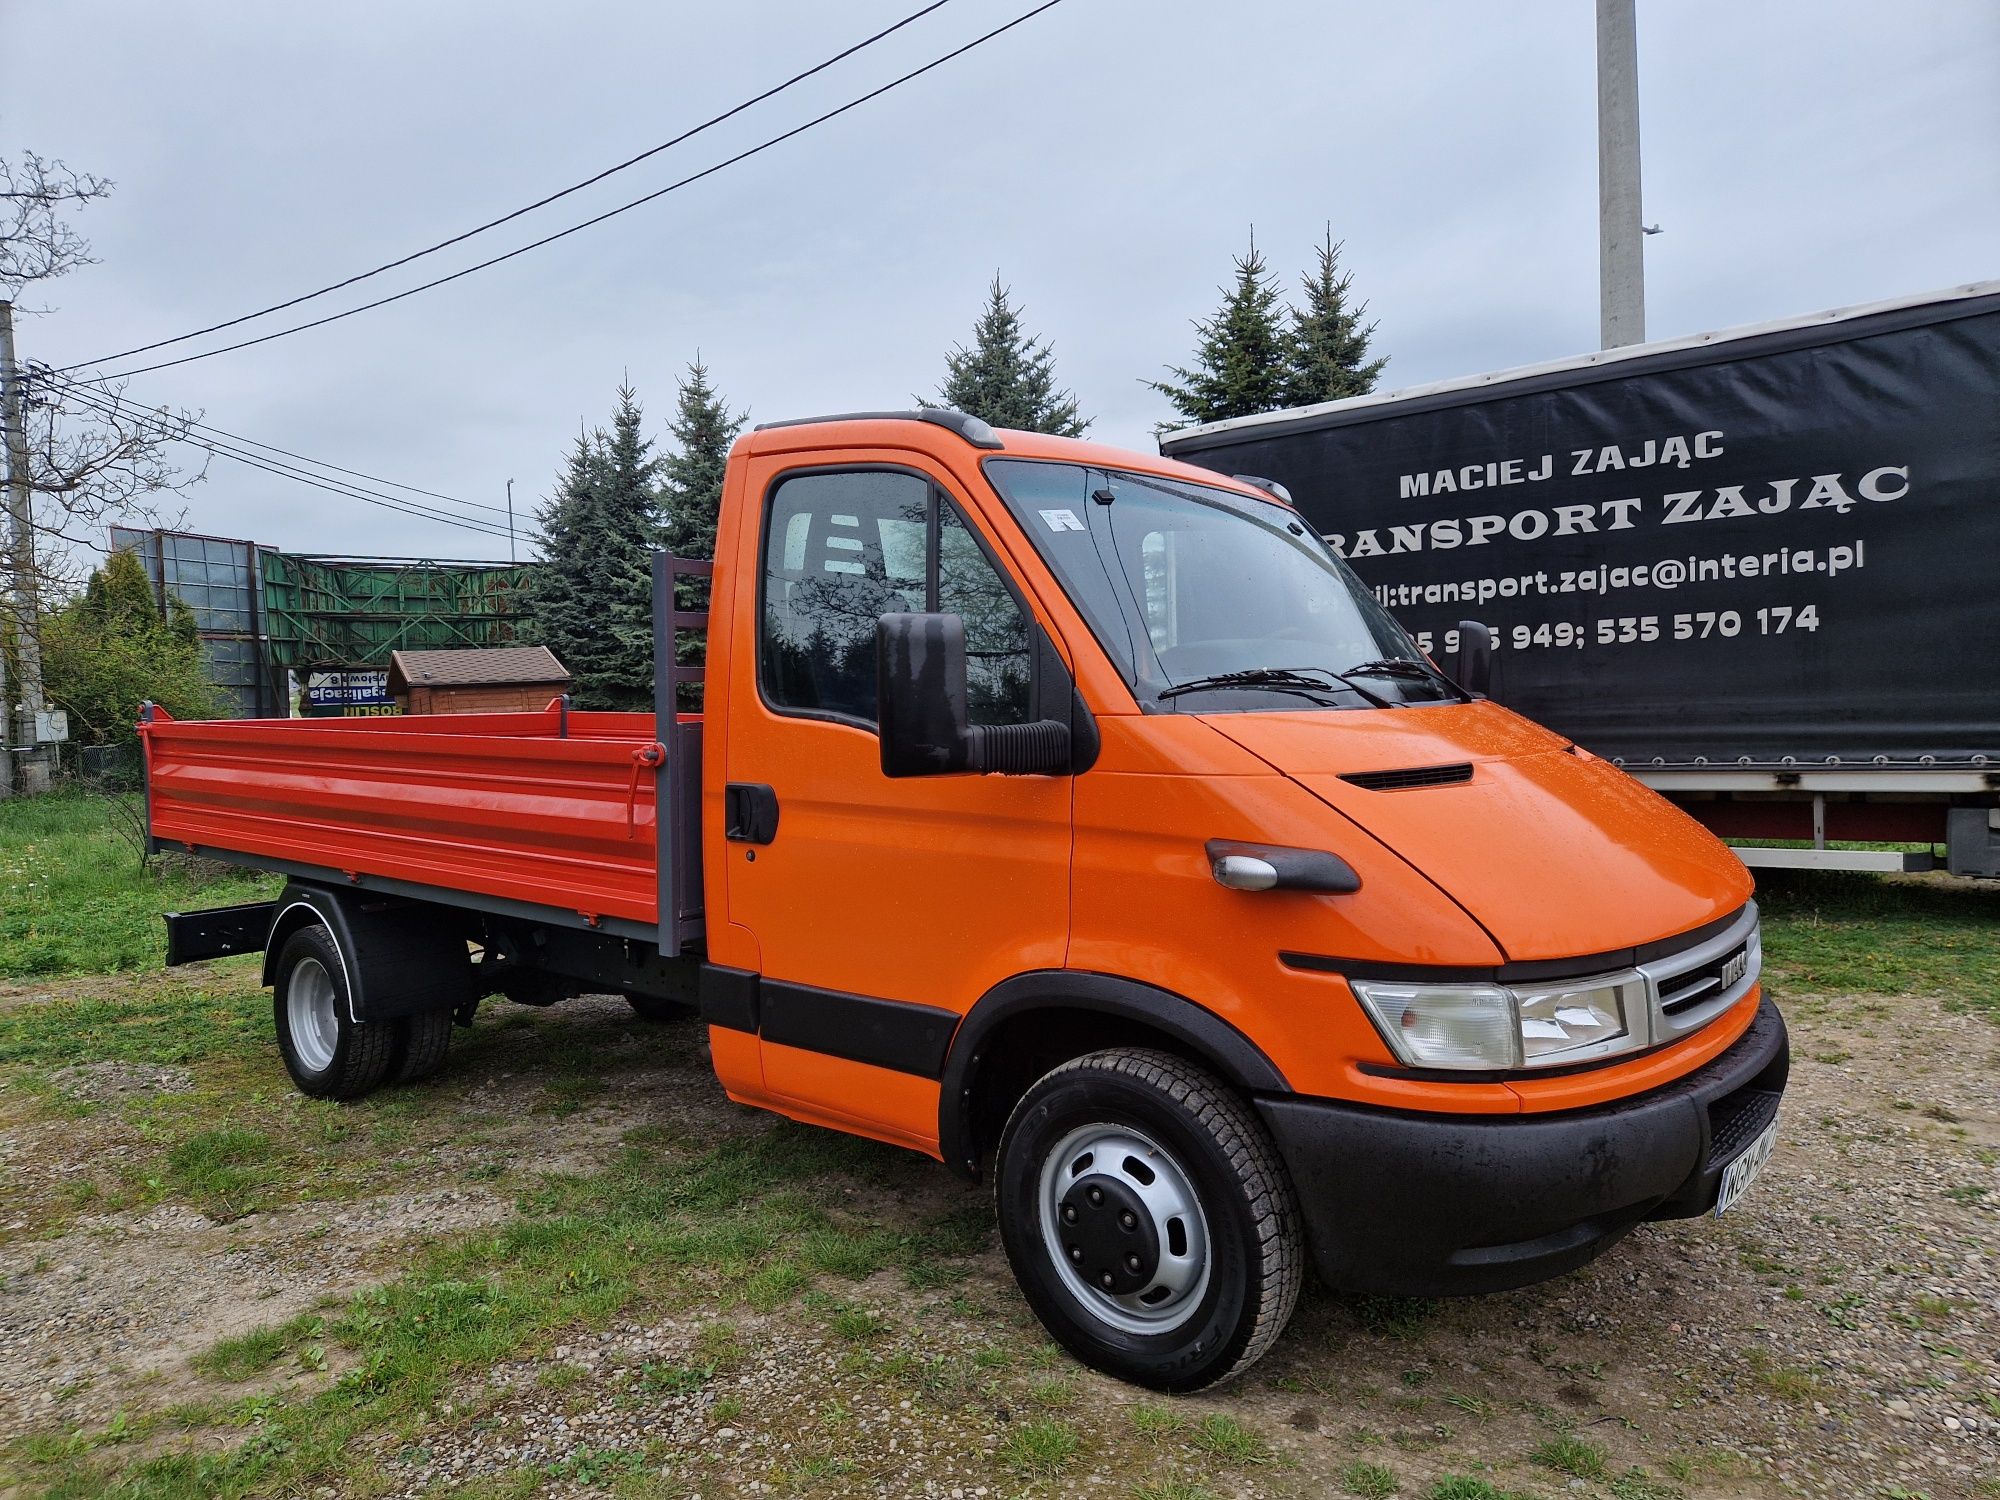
[[840, 550], [998, 674], [843, 549]]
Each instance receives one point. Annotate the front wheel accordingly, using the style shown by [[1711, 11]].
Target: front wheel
[[1148, 1219]]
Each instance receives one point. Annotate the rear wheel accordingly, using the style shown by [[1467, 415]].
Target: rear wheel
[[1148, 1219], [426, 1040], [653, 1008], [328, 1053]]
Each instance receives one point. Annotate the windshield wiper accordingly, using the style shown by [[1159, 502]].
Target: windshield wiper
[[1404, 668], [1277, 679]]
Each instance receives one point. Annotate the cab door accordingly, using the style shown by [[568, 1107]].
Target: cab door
[[881, 909]]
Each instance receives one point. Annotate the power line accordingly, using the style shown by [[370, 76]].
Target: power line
[[320, 463], [740, 156], [507, 218], [82, 388], [166, 429], [108, 406]]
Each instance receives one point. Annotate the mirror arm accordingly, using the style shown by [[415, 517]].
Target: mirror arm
[[1040, 748]]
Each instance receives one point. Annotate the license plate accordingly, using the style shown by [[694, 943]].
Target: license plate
[[1739, 1174]]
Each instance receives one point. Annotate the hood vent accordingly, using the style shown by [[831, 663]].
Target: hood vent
[[1411, 777]]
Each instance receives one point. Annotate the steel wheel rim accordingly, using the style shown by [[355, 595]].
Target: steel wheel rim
[[310, 1014], [1179, 1277]]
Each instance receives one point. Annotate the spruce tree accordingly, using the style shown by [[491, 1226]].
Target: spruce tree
[[633, 528], [691, 472], [559, 588], [1329, 342], [691, 475], [1241, 361], [1007, 378], [592, 598]]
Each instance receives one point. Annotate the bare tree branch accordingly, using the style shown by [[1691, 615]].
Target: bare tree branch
[[36, 243], [94, 460], [90, 456]]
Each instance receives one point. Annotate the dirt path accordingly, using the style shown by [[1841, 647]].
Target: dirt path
[[1839, 1335]]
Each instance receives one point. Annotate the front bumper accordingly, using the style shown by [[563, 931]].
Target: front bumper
[[1437, 1205]]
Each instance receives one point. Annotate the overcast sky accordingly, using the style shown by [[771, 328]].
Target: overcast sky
[[1107, 158]]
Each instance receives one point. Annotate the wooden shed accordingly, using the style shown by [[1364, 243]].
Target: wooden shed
[[501, 680]]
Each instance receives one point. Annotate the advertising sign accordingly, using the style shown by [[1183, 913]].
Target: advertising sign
[[346, 694], [1779, 550]]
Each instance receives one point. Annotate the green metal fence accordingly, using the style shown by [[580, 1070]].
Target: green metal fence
[[328, 613], [262, 613]]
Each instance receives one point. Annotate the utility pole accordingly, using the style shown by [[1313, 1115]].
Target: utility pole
[[1621, 260], [25, 599], [6, 702], [510, 522]]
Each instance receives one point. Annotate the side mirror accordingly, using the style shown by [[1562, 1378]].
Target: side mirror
[[1473, 666], [924, 717]]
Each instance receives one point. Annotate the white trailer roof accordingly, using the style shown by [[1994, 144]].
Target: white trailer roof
[[1595, 359]]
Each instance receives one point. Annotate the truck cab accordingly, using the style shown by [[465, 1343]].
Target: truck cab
[[1437, 951], [1073, 816]]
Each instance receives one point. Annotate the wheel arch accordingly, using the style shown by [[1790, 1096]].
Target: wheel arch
[[395, 956], [1028, 1024], [302, 906]]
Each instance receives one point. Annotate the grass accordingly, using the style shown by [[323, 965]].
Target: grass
[[230, 1140], [763, 1220], [582, 1251], [1040, 1449], [1834, 932], [1395, 1317], [1466, 1487], [221, 1170], [1636, 1484], [155, 1025], [1571, 1455], [1369, 1481], [78, 899], [1222, 1436], [1788, 1382], [251, 1354]]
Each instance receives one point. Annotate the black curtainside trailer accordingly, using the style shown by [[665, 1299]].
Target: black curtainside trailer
[[1760, 569]]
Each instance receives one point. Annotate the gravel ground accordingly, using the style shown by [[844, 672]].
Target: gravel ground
[[1838, 1335]]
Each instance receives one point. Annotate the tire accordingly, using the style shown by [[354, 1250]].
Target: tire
[[328, 1054], [426, 1040], [1193, 1220], [652, 1008]]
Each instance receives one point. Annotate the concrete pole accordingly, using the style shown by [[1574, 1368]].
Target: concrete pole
[[1621, 258], [25, 600]]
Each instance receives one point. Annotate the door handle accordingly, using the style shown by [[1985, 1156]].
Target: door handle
[[749, 812]]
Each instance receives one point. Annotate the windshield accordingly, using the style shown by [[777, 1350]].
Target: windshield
[[1210, 601]]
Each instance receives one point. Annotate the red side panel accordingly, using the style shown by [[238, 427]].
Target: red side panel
[[527, 807]]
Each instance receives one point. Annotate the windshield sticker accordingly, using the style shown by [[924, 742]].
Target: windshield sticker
[[1062, 520]]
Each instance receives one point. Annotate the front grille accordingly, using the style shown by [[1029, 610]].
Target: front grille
[[1685, 991], [1694, 985], [1736, 1121], [1410, 778]]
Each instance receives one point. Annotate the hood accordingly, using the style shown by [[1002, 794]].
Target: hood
[[1553, 851]]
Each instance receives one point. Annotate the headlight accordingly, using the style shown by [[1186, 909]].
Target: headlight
[[1563, 1023], [1444, 1025], [1490, 1026]]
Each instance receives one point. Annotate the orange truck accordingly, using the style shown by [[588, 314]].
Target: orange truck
[[1074, 817]]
